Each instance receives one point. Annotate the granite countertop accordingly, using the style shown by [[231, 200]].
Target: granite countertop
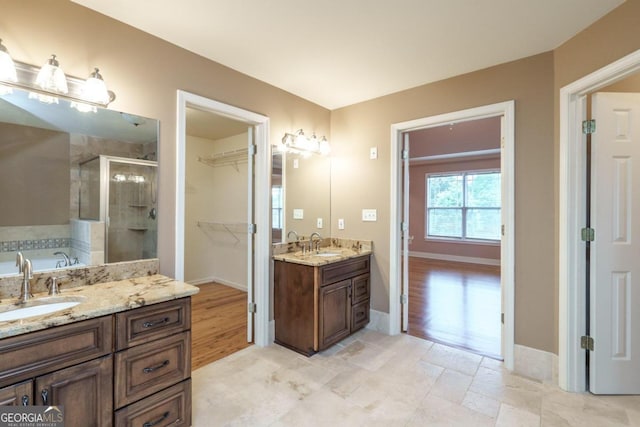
[[326, 255], [99, 300]]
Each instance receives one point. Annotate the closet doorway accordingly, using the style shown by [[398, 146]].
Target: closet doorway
[[219, 209]]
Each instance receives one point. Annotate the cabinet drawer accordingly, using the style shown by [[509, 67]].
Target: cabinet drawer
[[360, 289], [17, 394], [152, 322], [168, 407], [147, 368], [344, 269], [359, 315], [36, 353]]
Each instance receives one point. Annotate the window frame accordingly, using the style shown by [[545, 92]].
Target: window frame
[[464, 208]]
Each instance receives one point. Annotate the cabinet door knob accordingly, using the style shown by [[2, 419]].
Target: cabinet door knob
[[158, 421], [25, 400], [45, 396]]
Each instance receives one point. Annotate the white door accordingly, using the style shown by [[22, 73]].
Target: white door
[[250, 233], [405, 232], [615, 255]]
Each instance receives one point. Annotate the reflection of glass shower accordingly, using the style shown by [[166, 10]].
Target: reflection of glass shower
[[122, 193]]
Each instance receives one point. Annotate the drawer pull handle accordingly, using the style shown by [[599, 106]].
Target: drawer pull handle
[[45, 396], [158, 421], [25, 400], [153, 323], [150, 369]]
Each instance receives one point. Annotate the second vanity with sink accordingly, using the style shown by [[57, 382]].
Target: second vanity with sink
[[320, 296], [121, 355]]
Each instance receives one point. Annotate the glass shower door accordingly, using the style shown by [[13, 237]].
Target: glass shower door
[[131, 210]]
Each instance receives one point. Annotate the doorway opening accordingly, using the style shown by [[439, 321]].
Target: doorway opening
[[222, 208], [399, 262], [454, 196], [573, 308]]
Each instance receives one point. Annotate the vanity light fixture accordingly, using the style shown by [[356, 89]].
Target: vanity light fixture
[[7, 69], [49, 83], [299, 143]]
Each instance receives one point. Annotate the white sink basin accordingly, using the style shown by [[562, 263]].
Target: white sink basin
[[327, 254], [38, 307]]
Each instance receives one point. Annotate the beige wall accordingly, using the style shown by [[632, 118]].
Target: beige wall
[[358, 182], [145, 73]]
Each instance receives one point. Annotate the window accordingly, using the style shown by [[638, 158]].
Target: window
[[463, 206], [277, 217]]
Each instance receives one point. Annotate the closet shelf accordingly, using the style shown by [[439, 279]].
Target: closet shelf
[[226, 158], [233, 228]]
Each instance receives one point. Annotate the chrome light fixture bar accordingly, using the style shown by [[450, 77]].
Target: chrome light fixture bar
[[26, 76], [299, 143]]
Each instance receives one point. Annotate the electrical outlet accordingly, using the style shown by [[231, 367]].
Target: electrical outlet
[[319, 223], [298, 214], [369, 214], [373, 153], [341, 224]]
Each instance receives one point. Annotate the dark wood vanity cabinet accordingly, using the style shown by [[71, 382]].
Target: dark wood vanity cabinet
[[137, 376], [317, 306]]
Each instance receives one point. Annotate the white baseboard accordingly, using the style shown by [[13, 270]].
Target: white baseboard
[[272, 332], [239, 286], [536, 364], [455, 258], [379, 321]]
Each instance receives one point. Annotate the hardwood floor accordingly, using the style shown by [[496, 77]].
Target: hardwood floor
[[455, 304], [218, 323]]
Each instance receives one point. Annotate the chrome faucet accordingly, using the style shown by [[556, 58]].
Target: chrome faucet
[[67, 261], [19, 261], [27, 270], [317, 243], [294, 233]]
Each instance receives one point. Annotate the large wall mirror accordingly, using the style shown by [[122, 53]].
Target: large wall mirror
[[76, 188], [301, 196]]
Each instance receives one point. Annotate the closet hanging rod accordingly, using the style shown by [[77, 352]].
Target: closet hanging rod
[[232, 157], [232, 228]]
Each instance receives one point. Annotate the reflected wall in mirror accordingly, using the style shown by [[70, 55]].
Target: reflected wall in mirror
[[300, 195], [43, 186]]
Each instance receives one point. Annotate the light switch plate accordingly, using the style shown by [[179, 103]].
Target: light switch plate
[[373, 153], [341, 224], [369, 214], [319, 223], [298, 214]]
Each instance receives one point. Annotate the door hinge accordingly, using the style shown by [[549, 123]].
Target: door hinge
[[502, 229], [586, 342], [251, 228], [589, 127], [404, 298], [588, 234], [251, 307], [405, 154], [502, 318], [252, 150], [404, 226]]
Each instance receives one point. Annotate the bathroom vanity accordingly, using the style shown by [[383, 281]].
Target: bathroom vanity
[[320, 297], [121, 357]]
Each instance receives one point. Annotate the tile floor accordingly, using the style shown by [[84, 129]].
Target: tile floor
[[371, 379]]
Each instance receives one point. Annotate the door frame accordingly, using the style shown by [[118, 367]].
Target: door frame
[[262, 202], [507, 258], [571, 261]]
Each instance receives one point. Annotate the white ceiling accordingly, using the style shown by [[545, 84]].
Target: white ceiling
[[340, 52]]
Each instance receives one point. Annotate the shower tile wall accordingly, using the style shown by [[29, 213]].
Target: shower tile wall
[[87, 241], [37, 241]]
